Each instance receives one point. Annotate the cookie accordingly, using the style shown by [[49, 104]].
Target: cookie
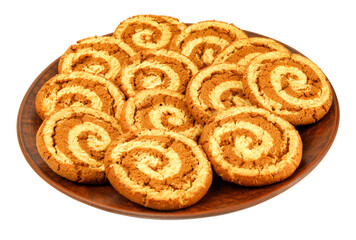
[[215, 88], [289, 85], [159, 109], [156, 69], [250, 146], [73, 142], [101, 56], [203, 41], [148, 32], [158, 169], [79, 89], [242, 51]]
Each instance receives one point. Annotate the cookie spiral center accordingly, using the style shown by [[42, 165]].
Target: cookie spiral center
[[96, 142], [208, 56], [66, 95], [96, 62], [157, 75], [191, 45], [150, 158], [244, 146], [152, 36], [151, 81], [292, 75], [94, 68], [227, 94], [290, 82], [147, 164], [174, 116]]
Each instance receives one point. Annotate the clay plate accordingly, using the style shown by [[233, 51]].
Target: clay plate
[[222, 197]]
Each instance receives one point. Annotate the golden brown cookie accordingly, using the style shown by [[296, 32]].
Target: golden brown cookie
[[289, 85], [158, 169], [215, 88], [148, 32], [242, 51], [203, 41], [73, 142], [159, 109], [251, 146], [101, 56], [79, 89], [156, 69]]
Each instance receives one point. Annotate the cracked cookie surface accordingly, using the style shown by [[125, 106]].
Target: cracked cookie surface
[[202, 42], [73, 142], [159, 109], [250, 146], [158, 169], [79, 89], [148, 32], [215, 88], [288, 85]]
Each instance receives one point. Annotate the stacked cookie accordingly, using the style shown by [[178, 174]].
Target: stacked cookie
[[153, 106]]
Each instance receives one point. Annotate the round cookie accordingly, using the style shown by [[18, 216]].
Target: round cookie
[[242, 51], [289, 85], [215, 88], [203, 41], [79, 89], [158, 169], [148, 32], [159, 109], [250, 146], [73, 141], [156, 69], [101, 56]]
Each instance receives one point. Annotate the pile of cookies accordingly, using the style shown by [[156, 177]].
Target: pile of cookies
[[153, 106]]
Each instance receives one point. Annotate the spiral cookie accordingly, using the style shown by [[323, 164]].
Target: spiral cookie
[[101, 56], [158, 169], [242, 51], [79, 89], [251, 146], [158, 69], [202, 42], [148, 32], [159, 109], [73, 141], [214, 89], [289, 85]]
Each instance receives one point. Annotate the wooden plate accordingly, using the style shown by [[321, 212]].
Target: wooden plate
[[222, 197]]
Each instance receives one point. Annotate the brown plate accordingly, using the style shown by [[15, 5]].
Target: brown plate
[[222, 197]]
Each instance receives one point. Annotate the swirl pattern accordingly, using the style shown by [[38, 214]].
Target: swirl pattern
[[73, 142], [159, 69], [203, 41], [242, 51], [251, 146], [79, 89], [148, 32], [158, 169], [289, 85], [101, 56], [159, 109], [214, 89]]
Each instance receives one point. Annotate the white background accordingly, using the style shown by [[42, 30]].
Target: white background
[[35, 33]]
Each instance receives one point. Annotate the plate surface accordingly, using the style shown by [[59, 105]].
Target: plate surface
[[222, 197]]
